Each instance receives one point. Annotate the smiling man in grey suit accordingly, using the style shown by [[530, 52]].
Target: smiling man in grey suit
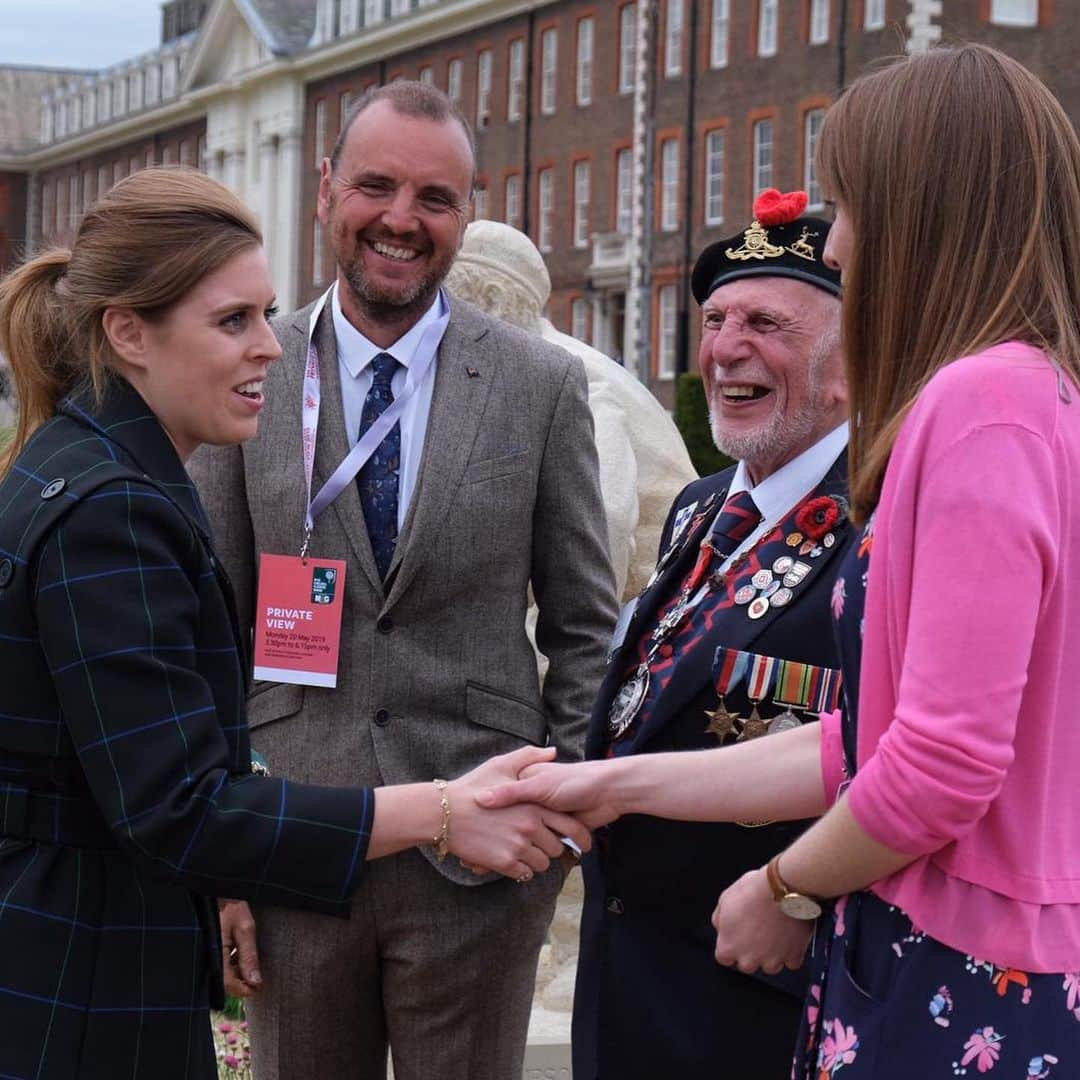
[[486, 485]]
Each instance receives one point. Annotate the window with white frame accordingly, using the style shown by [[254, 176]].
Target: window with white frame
[[811, 130], [627, 47], [455, 74], [720, 33], [585, 30], [60, 194], [874, 16], [400, 7], [135, 89], [666, 332], [134, 164], [47, 209], [74, 204], [89, 103], [1014, 12], [669, 185], [148, 158], [373, 12], [549, 49], [200, 154], [103, 179], [427, 75], [673, 38], [345, 100], [483, 87], [186, 157], [714, 178], [763, 156], [546, 197], [320, 132], [579, 319], [515, 82], [767, 28], [167, 158], [480, 203], [624, 179], [512, 201], [819, 21], [87, 188], [317, 256], [582, 192]]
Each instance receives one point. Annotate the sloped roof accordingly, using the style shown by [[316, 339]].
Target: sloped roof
[[285, 26], [20, 102]]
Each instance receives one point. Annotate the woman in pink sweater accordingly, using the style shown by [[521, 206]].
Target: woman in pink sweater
[[949, 855]]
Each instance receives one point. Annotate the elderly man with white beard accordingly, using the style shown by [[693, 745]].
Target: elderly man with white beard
[[730, 640]]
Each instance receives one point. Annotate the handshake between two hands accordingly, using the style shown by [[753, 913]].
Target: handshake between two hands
[[514, 815], [517, 813]]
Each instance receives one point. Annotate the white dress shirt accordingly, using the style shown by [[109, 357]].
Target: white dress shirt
[[355, 354], [784, 489]]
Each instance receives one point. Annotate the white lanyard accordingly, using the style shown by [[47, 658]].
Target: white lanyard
[[346, 472]]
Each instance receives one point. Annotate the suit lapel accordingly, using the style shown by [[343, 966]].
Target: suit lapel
[[332, 444], [457, 405], [733, 628], [672, 566]]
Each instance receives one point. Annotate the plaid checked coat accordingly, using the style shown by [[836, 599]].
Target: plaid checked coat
[[126, 796]]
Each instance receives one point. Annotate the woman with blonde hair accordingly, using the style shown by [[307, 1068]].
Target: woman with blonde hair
[[949, 855], [127, 795]]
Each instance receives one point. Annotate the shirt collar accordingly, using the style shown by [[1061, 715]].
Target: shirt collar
[[783, 489], [355, 351]]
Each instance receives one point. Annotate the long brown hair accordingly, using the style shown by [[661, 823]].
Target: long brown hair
[[142, 245], [960, 174]]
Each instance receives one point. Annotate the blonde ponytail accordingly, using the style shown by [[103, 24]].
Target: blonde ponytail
[[34, 337]]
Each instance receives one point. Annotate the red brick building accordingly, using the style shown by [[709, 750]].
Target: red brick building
[[622, 135]]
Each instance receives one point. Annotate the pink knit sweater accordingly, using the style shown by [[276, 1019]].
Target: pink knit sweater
[[969, 708]]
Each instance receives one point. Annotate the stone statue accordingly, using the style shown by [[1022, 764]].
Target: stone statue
[[643, 460]]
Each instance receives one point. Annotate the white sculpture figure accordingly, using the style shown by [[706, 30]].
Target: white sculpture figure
[[643, 460]]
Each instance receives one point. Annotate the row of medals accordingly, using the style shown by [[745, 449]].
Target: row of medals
[[775, 587], [768, 588]]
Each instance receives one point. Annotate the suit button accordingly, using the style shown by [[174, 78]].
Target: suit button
[[385, 624], [7, 572], [53, 488], [614, 905], [382, 717]]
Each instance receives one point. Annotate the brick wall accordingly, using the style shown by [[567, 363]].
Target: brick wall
[[67, 190]]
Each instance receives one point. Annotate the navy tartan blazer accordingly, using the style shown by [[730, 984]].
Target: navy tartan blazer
[[127, 799]]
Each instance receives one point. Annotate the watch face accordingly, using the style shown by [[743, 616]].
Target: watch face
[[798, 906]]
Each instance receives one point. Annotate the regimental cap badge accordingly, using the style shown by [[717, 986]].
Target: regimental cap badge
[[779, 242]]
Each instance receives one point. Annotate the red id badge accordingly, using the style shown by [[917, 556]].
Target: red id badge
[[298, 619]]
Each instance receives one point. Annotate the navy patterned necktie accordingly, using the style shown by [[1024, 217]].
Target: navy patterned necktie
[[378, 479], [738, 518]]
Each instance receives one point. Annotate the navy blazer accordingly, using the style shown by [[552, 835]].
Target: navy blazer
[[650, 998], [126, 793]]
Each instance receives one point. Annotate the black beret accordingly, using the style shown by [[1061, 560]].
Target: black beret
[[777, 243]]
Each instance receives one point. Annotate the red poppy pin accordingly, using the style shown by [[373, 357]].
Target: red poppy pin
[[818, 516]]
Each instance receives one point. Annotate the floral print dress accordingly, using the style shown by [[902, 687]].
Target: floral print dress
[[887, 1001]]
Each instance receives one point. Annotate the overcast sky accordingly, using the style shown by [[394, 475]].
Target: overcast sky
[[77, 33]]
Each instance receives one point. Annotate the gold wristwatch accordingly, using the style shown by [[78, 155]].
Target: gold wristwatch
[[794, 904]]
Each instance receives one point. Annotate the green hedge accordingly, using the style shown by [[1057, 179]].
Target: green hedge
[[692, 420]]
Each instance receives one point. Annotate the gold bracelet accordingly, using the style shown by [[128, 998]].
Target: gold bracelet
[[441, 843]]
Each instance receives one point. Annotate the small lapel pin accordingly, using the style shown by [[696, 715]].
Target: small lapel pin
[[472, 373]]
